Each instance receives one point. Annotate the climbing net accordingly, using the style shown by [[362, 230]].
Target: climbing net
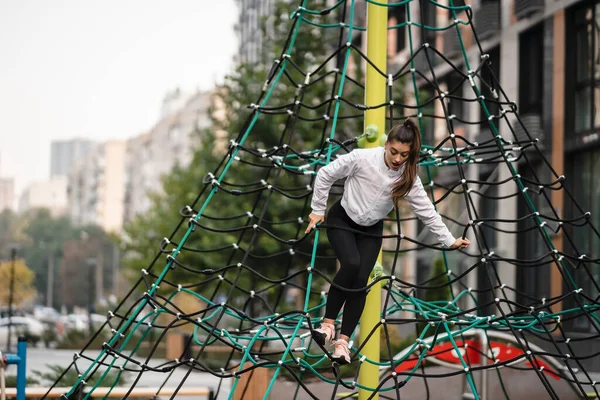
[[239, 274]]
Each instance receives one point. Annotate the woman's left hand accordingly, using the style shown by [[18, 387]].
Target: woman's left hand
[[460, 243]]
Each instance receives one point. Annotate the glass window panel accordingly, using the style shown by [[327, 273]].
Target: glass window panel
[[586, 185], [596, 26], [596, 207], [583, 42], [581, 15], [582, 109]]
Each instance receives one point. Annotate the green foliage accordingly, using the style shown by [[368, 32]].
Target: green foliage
[[40, 237], [397, 342], [49, 336], [439, 279], [11, 381], [179, 188], [74, 339]]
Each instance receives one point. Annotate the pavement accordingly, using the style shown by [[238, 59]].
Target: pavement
[[517, 384]]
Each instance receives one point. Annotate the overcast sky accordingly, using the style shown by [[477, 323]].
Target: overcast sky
[[99, 69]]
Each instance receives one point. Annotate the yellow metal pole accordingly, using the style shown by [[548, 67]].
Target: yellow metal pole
[[375, 94]]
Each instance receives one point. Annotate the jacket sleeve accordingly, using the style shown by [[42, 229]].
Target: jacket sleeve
[[423, 208], [342, 167]]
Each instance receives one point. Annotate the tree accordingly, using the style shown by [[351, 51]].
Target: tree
[[11, 232], [24, 287], [241, 88], [41, 238]]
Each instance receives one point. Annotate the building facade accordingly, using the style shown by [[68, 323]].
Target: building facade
[[64, 154], [251, 38], [50, 193], [7, 194], [544, 56], [96, 189], [153, 154]]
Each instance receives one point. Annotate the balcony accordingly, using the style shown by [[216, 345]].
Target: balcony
[[487, 19], [532, 124], [451, 43], [525, 8]]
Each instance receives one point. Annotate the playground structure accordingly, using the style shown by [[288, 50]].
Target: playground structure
[[241, 301], [20, 360]]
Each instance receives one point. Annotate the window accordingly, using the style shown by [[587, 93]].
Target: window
[[490, 76], [455, 3], [399, 13], [583, 182], [455, 82], [533, 282], [583, 68], [428, 14], [531, 56], [488, 206]]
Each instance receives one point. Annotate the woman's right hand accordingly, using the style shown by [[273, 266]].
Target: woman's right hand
[[313, 220]]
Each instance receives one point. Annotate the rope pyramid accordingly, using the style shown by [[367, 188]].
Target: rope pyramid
[[263, 256]]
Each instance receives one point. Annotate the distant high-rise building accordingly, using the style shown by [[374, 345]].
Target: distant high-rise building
[[64, 153], [50, 193], [249, 30], [153, 154], [7, 193], [97, 187]]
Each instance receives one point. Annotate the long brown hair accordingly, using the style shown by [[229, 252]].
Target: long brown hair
[[407, 133]]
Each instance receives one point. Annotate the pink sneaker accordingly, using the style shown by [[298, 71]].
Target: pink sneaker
[[324, 334], [341, 354]]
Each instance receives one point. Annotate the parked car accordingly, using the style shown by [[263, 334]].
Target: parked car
[[20, 326]]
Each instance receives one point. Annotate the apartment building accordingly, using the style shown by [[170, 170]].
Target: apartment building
[[153, 154], [544, 57], [64, 154], [249, 31], [7, 193], [49, 193], [97, 187]]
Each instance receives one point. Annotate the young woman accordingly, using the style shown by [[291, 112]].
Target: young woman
[[377, 178]]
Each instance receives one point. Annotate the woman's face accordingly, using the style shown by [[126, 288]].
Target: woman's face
[[396, 153]]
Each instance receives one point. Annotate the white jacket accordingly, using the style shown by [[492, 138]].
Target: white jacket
[[368, 191]]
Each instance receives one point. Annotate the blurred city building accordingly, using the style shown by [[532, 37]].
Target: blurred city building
[[97, 187], [545, 57], [64, 154], [49, 193], [248, 28], [7, 193], [170, 142]]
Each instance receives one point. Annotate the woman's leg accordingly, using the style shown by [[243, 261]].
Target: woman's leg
[[345, 247], [368, 247]]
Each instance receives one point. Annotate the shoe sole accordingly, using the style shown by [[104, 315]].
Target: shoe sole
[[319, 338], [340, 360]]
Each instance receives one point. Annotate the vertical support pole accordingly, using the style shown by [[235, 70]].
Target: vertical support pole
[[558, 143], [50, 283], [11, 290], [2, 376], [99, 279], [21, 368], [375, 94], [483, 343]]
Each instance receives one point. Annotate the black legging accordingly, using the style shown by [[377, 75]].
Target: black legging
[[357, 254]]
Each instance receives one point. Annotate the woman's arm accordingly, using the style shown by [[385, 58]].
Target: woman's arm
[[423, 208], [342, 167]]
